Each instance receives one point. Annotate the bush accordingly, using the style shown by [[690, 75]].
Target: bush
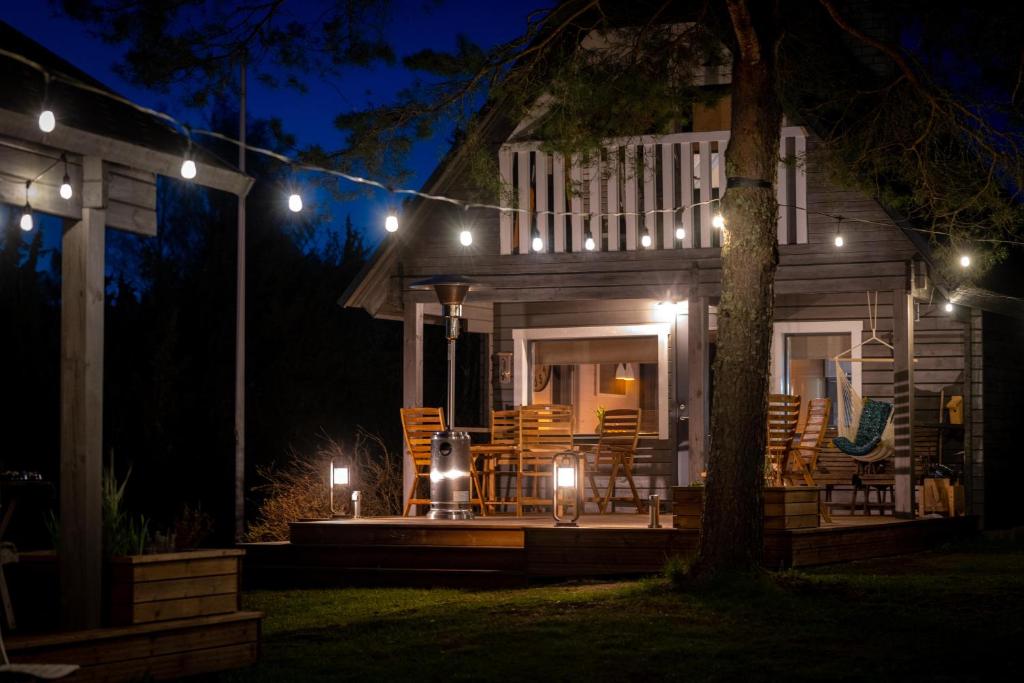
[[298, 490]]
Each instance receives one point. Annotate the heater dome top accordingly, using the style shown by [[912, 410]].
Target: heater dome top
[[450, 289]]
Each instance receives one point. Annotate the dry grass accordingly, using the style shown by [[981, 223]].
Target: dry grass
[[298, 489]]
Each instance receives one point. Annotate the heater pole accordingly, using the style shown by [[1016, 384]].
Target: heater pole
[[451, 377]]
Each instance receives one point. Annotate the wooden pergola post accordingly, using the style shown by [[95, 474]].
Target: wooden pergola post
[[81, 444], [903, 402], [699, 381], [412, 376]]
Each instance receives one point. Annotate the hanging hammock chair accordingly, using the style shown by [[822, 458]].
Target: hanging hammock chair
[[865, 426]]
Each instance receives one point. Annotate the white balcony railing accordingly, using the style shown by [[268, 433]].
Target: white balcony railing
[[649, 186]]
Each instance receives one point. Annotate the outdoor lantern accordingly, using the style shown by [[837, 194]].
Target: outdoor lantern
[[338, 476], [567, 495]]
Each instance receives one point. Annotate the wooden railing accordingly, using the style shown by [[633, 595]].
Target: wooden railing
[[665, 188]]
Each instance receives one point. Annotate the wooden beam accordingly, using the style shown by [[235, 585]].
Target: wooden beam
[[412, 376], [81, 461], [699, 381], [903, 401], [84, 143]]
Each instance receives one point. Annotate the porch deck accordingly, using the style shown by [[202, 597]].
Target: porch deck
[[513, 551]]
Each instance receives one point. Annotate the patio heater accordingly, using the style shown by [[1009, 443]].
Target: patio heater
[[450, 458]]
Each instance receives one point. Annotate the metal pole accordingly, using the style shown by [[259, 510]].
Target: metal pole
[[240, 326], [451, 384]]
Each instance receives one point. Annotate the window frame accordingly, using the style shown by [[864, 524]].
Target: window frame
[[855, 328]]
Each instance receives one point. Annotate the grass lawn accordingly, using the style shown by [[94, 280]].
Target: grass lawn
[[951, 615]]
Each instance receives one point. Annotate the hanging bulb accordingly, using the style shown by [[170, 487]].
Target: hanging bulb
[[391, 223], [294, 202], [965, 261], [717, 221], [466, 238], [948, 307], [538, 243], [645, 241], [26, 218], [188, 169], [47, 121], [65, 188], [680, 233], [589, 243], [840, 241]]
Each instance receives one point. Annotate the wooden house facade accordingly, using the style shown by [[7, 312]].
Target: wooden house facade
[[619, 255]]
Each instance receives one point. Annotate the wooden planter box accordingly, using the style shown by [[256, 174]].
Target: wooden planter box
[[785, 507], [161, 587]]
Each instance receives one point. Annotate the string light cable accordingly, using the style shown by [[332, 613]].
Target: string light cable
[[188, 166]]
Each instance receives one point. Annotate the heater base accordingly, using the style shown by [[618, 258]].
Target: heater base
[[450, 514]]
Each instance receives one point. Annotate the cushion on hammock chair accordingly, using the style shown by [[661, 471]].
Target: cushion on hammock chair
[[873, 418]]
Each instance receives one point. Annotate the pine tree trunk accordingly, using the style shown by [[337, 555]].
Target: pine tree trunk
[[731, 530]]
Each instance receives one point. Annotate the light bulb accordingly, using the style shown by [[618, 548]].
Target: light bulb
[[680, 233], [645, 241], [965, 261], [26, 219], [839, 241], [588, 243], [188, 169], [717, 221], [294, 202], [65, 188], [949, 307], [465, 238], [538, 243], [391, 223], [47, 122]]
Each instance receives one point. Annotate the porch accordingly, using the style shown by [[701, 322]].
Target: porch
[[486, 552]]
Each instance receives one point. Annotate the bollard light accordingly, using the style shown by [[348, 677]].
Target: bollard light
[[337, 476], [567, 489]]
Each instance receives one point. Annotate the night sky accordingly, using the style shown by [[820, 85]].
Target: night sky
[[417, 24]]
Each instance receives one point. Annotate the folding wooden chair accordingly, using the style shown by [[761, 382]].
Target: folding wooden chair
[[783, 415], [500, 458], [614, 454], [543, 431], [802, 459]]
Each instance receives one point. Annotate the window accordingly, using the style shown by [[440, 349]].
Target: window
[[596, 368]]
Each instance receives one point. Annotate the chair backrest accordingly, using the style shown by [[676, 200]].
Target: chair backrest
[[419, 425], [783, 414], [504, 427], [818, 412], [620, 430], [546, 427]]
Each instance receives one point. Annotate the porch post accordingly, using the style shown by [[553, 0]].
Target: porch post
[[699, 381], [680, 395], [81, 415], [903, 401], [412, 376]]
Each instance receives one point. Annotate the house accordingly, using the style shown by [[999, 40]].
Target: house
[[577, 297]]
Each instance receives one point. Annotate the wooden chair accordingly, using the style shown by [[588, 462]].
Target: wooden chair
[[783, 415], [802, 459], [418, 426], [499, 458], [543, 431], [614, 455]]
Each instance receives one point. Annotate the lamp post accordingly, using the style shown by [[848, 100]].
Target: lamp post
[[337, 476], [567, 476], [450, 480]]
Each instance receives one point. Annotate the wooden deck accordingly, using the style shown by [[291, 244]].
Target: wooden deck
[[514, 551]]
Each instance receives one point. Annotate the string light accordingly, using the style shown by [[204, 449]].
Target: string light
[[465, 238], [26, 213], [294, 202], [838, 240], [949, 307], [589, 243], [717, 221], [965, 261], [188, 169], [65, 187], [537, 243], [645, 241], [47, 121], [391, 223], [680, 233]]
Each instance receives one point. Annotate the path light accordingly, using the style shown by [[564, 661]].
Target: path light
[[337, 476], [465, 238], [965, 261], [391, 223], [567, 474]]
